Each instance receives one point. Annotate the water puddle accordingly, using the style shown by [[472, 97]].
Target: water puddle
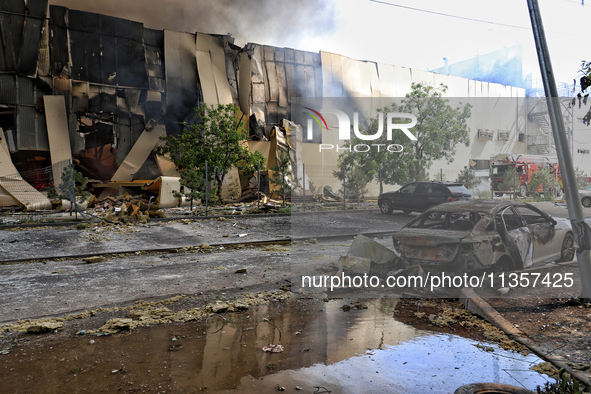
[[324, 348]]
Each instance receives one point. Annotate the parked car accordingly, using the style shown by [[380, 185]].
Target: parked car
[[419, 196], [585, 197], [479, 235]]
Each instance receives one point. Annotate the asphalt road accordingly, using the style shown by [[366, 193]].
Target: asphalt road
[[57, 286]]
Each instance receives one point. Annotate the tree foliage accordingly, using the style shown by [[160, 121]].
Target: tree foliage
[[72, 186], [468, 178], [218, 137], [543, 182], [582, 183], [510, 180], [281, 173], [439, 129]]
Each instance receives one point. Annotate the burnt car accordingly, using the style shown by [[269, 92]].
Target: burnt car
[[419, 196], [481, 235]]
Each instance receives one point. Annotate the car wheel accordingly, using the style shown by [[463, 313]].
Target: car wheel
[[406, 211], [504, 264], [523, 190], [567, 252], [586, 201], [385, 206]]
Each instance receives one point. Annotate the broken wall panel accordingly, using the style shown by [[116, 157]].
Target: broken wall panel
[[58, 39], [11, 24], [181, 79], [139, 153], [31, 37], [57, 132], [12, 183], [107, 50]]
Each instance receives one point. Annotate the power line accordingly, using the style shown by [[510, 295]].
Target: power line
[[448, 15], [466, 18]]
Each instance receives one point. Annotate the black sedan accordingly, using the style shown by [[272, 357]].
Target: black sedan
[[420, 196]]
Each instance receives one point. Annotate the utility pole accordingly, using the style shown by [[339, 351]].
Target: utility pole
[[581, 230]]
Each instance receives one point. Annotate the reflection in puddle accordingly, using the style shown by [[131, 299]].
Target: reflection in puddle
[[359, 351]]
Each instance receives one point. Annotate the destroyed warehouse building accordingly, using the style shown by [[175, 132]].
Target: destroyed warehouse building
[[100, 91]]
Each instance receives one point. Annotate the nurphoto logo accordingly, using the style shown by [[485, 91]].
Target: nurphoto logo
[[345, 130]]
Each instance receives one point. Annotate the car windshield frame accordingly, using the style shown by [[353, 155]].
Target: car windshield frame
[[449, 220]]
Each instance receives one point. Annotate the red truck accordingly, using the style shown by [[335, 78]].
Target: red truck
[[526, 166]]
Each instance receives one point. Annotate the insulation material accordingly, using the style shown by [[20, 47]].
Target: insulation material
[[211, 66], [139, 153], [14, 189], [57, 132]]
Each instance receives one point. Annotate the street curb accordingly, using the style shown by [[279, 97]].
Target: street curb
[[478, 306]]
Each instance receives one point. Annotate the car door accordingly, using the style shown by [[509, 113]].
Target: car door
[[403, 198], [420, 197], [516, 236], [546, 247]]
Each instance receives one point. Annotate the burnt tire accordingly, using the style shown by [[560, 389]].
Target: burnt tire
[[492, 388], [567, 251], [586, 201], [385, 206]]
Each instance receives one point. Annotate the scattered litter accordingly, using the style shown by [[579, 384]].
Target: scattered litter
[[241, 271], [242, 235], [273, 348], [485, 348], [81, 332], [275, 248], [219, 267]]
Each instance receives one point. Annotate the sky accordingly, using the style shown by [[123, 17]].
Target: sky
[[381, 31]]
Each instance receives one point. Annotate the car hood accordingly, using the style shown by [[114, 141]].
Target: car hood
[[429, 245]]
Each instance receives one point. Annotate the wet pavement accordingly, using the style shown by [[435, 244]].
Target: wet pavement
[[324, 348]]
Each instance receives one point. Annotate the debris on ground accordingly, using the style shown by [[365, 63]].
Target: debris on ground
[[94, 259], [273, 348], [45, 326]]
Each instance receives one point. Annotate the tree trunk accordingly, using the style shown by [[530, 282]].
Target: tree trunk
[[220, 183]]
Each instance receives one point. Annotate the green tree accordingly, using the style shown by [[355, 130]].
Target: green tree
[[468, 178], [72, 186], [543, 179], [439, 129], [281, 173], [582, 183], [218, 137], [355, 181], [510, 180]]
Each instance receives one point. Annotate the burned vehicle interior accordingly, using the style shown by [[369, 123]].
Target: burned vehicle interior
[[452, 221]]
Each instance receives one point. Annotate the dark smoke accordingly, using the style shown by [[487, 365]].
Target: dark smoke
[[273, 22]]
